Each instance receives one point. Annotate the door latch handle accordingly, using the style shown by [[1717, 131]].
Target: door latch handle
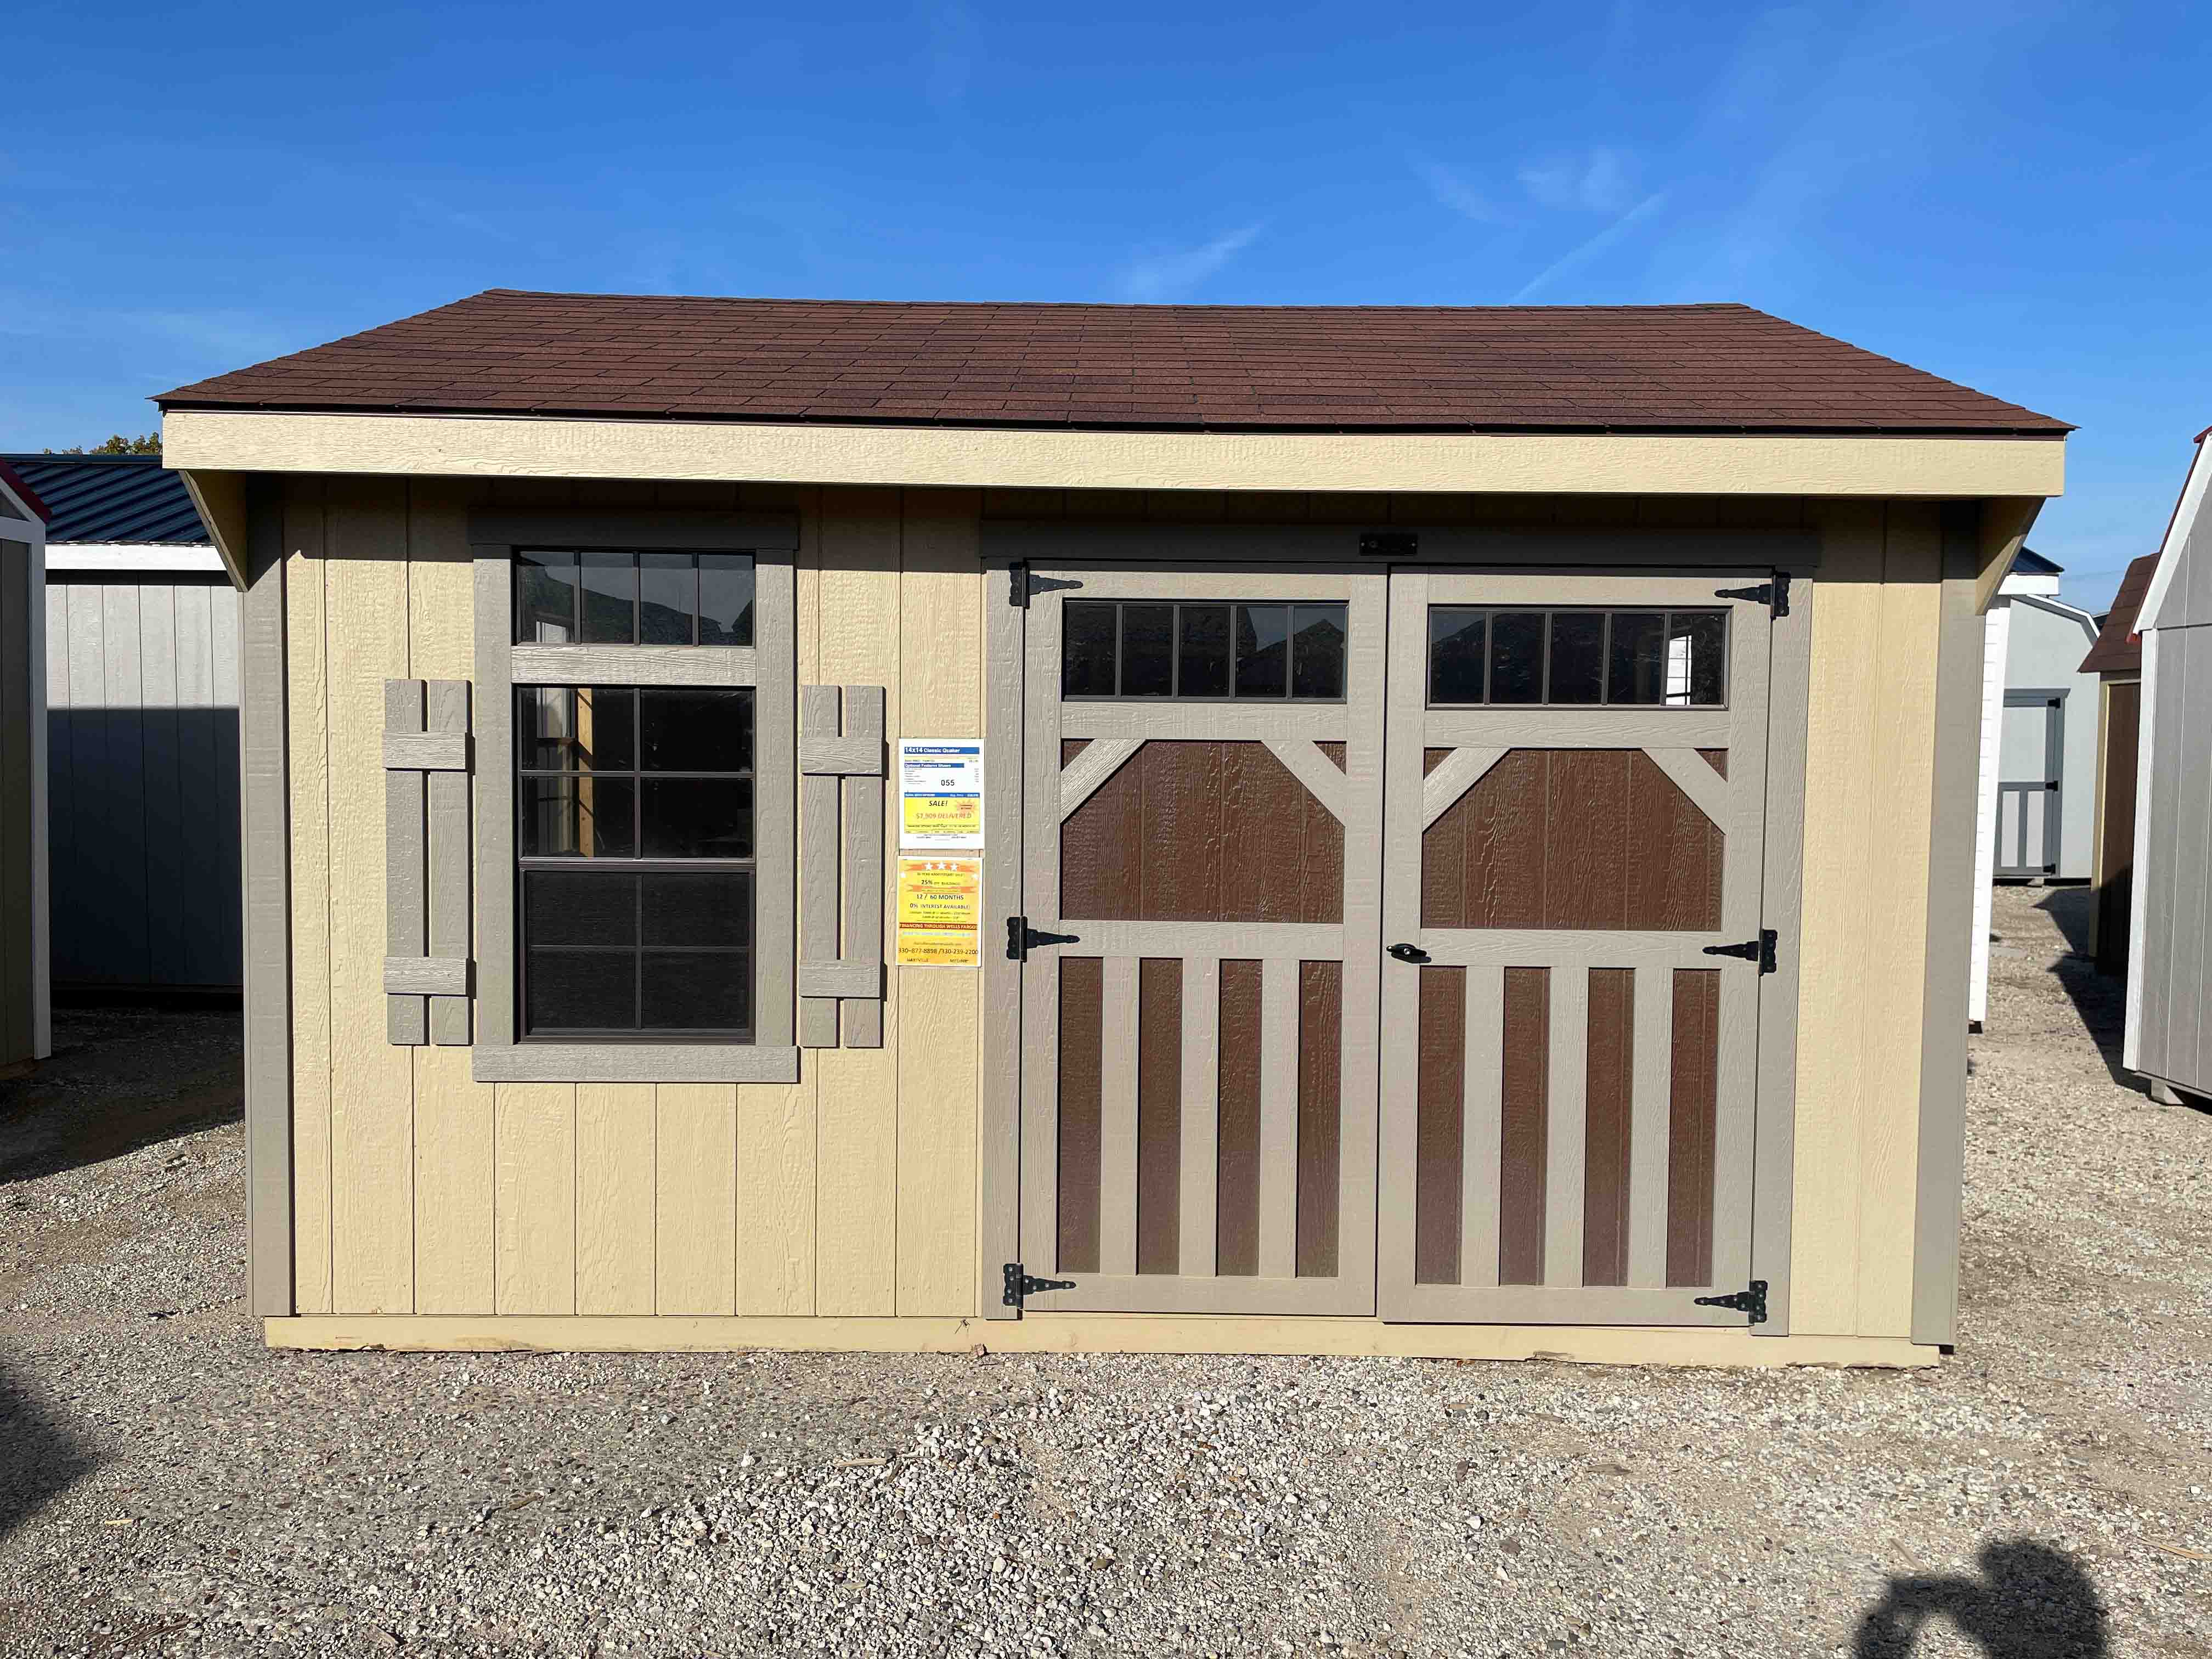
[[1409, 953]]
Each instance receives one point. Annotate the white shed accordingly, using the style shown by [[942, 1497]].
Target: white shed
[[25, 1029], [2169, 1019], [2036, 819]]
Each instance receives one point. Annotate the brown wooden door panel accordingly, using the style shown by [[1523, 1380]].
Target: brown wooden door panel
[[1567, 1137], [1200, 1066]]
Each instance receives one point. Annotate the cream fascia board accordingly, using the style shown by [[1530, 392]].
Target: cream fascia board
[[1607, 464]]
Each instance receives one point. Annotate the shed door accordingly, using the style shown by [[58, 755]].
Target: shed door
[[1576, 808], [2030, 744], [1202, 821]]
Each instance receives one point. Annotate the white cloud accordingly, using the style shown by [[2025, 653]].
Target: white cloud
[[1454, 192], [1153, 279], [1594, 181], [1589, 250]]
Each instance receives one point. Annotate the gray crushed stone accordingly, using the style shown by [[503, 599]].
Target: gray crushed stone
[[168, 1486]]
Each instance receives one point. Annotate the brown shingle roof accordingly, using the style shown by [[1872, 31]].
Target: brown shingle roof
[[1706, 367], [2118, 648]]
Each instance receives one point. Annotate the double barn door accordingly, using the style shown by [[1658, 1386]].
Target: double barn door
[[1371, 920]]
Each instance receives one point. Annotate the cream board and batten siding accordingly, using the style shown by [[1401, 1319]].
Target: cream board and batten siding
[[851, 1194], [418, 1191]]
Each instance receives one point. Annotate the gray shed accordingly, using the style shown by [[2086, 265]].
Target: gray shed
[[25, 1033], [142, 690], [2169, 1020]]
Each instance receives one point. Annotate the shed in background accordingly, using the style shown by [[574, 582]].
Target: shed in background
[[2117, 662], [140, 685], [2036, 816], [2169, 1026], [25, 1034]]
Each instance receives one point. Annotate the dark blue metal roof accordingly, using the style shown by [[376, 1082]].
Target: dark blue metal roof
[[2029, 563], [112, 498]]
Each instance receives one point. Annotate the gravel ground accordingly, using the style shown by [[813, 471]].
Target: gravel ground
[[168, 1486]]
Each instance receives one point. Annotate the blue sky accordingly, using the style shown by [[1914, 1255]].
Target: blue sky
[[2014, 196]]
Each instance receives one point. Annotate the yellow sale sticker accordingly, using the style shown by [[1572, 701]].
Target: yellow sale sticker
[[939, 913]]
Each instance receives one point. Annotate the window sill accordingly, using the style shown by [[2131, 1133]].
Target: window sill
[[638, 1062]]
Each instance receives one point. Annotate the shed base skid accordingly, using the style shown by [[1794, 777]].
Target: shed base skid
[[1092, 1334]]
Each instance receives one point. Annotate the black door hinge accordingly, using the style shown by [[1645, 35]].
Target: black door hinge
[[1759, 950], [1752, 1301], [1020, 1286], [1775, 595], [1022, 939], [1021, 583]]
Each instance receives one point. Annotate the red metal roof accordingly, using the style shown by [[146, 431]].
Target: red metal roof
[[1683, 369]]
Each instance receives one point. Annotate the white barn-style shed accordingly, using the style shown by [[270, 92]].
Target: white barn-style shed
[[2169, 1018], [2036, 818]]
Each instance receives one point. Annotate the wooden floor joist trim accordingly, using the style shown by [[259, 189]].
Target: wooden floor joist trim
[[1094, 1334]]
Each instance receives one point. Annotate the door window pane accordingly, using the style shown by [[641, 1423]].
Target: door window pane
[[726, 598], [1148, 650], [668, 599], [1165, 648], [1317, 651], [1636, 673], [1202, 651], [1263, 639], [1459, 640], [1516, 656], [1088, 633], [1577, 657], [1697, 657]]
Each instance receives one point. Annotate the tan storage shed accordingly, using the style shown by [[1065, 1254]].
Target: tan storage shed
[[1471, 815]]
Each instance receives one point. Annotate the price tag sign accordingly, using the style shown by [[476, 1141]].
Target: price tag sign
[[940, 783]]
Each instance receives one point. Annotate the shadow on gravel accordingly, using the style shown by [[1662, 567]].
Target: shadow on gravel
[[2098, 998], [2032, 1601], [38, 1458], [120, 1079]]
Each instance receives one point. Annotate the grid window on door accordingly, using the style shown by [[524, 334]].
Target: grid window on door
[[1667, 658], [635, 835], [601, 596], [1273, 651]]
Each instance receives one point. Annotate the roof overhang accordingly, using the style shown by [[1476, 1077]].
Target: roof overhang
[[209, 443], [220, 494]]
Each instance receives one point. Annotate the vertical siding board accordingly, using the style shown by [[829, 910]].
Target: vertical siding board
[[1200, 1120], [1903, 730], [95, 807], [205, 814], [455, 1117], [407, 1018], [2151, 972], [1566, 1119], [1441, 1125], [1237, 1132], [166, 882], [1650, 1110], [18, 1019], [695, 1231], [2183, 677], [940, 693], [1117, 1118], [307, 720], [372, 1083], [61, 793], [1482, 1146], [857, 1209], [1279, 1118], [536, 1199], [1839, 953], [617, 1185], [125, 870]]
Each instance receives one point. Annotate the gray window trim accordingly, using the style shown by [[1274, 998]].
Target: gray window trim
[[770, 665]]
